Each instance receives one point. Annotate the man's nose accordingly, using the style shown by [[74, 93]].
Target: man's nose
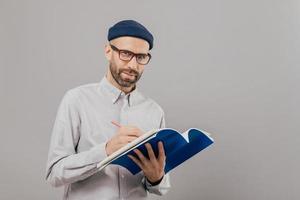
[[132, 64]]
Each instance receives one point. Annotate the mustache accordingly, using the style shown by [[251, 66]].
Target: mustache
[[131, 72]]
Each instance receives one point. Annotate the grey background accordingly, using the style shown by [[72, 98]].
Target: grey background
[[228, 67]]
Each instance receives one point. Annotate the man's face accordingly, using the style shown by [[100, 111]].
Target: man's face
[[126, 73]]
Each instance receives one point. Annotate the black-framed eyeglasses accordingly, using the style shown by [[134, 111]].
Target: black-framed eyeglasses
[[126, 55]]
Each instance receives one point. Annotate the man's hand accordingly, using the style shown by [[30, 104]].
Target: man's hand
[[124, 135], [153, 167]]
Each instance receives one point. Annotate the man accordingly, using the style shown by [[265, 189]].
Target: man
[[83, 134]]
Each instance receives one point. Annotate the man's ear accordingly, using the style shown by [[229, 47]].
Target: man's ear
[[108, 52]]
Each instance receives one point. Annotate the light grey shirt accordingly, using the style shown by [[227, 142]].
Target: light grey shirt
[[81, 129]]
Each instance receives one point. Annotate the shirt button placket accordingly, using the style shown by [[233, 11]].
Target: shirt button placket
[[123, 121]]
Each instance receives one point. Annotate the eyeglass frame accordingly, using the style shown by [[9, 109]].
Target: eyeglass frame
[[133, 54]]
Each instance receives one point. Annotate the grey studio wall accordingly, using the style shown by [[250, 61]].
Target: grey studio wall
[[230, 67]]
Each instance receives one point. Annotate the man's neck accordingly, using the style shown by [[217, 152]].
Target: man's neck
[[110, 79]]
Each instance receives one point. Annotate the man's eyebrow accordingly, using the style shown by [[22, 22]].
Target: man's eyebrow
[[125, 49], [140, 53]]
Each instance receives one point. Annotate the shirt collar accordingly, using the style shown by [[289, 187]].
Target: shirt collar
[[134, 97]]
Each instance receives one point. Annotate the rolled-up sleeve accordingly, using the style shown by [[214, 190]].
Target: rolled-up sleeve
[[65, 165]]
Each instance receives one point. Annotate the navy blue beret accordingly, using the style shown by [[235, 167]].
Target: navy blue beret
[[130, 28]]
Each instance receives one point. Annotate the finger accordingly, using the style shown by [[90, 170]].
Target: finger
[[136, 161], [161, 154], [150, 152], [136, 131], [130, 132], [116, 123], [127, 139], [141, 156]]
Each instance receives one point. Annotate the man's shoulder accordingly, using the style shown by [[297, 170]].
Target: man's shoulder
[[153, 103], [81, 90]]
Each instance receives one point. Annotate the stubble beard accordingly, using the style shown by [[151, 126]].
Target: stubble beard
[[124, 82]]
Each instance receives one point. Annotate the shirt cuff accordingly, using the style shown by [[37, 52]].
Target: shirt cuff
[[154, 183], [162, 188]]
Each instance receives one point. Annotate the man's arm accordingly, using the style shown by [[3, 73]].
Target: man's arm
[[162, 186], [64, 164]]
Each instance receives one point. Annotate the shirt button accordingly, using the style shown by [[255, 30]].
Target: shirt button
[[122, 176]]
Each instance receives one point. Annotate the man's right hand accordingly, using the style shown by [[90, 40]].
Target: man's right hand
[[124, 135]]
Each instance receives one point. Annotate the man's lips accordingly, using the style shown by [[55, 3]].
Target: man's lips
[[129, 74]]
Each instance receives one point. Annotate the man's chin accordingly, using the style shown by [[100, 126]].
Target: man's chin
[[127, 83]]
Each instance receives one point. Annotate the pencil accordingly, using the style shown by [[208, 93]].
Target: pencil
[[116, 123]]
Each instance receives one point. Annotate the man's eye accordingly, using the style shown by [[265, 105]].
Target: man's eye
[[141, 57], [126, 53]]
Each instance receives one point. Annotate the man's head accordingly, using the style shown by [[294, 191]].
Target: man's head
[[127, 53]]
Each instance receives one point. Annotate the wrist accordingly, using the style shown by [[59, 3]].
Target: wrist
[[154, 183]]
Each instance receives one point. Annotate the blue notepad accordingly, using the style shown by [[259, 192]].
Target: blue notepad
[[178, 147]]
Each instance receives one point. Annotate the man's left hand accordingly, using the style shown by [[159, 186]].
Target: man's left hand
[[153, 167]]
